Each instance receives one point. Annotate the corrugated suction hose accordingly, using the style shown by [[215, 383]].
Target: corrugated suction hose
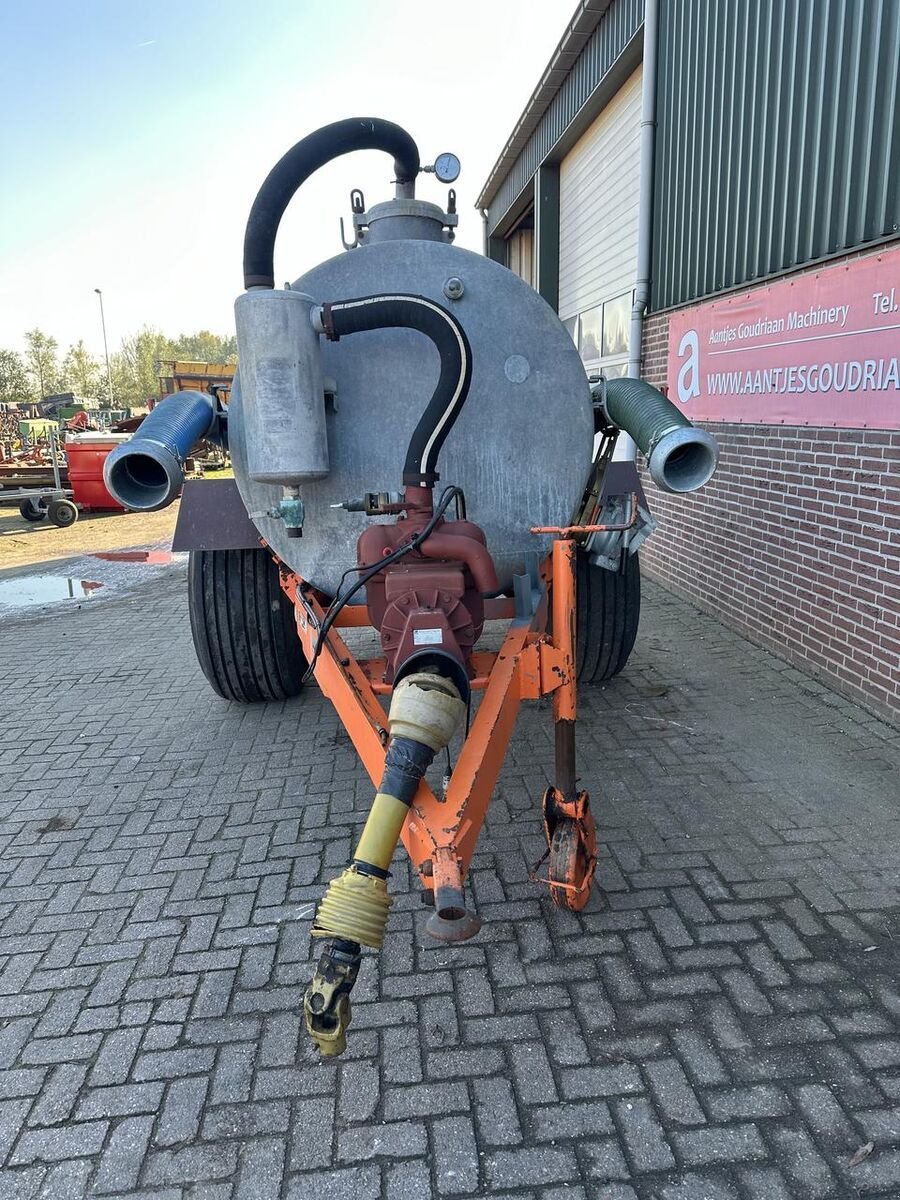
[[147, 472], [680, 457]]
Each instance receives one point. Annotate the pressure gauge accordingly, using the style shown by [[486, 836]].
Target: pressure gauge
[[446, 168]]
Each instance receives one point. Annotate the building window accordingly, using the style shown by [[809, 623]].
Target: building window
[[601, 335]]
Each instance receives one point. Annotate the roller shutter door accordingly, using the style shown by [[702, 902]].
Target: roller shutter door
[[598, 229]]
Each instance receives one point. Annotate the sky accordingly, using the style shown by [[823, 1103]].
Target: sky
[[134, 136]]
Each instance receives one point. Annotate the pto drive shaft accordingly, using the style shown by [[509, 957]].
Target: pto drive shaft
[[426, 709]]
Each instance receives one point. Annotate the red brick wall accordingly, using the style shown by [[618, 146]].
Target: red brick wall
[[795, 542]]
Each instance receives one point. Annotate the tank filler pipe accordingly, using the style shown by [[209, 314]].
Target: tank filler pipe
[[295, 167], [147, 472], [419, 313]]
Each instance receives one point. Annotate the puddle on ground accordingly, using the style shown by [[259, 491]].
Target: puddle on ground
[[141, 556], [42, 589]]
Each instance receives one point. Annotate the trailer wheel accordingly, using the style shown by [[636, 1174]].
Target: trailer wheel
[[31, 510], [243, 626], [62, 513], [609, 609]]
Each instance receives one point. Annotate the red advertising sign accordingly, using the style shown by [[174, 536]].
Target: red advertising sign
[[817, 349]]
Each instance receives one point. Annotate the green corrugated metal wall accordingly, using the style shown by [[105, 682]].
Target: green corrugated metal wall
[[778, 137]]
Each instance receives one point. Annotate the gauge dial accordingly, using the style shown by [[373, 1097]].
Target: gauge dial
[[446, 167]]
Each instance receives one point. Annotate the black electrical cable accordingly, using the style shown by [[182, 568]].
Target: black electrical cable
[[334, 608]]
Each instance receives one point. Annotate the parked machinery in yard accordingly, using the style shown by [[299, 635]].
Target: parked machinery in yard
[[367, 374]]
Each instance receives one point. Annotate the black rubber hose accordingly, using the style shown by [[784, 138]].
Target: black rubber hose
[[312, 152], [445, 405]]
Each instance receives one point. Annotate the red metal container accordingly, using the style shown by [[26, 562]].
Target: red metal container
[[86, 453]]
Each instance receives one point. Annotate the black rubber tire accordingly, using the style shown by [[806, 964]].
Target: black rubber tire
[[243, 626], [609, 610], [62, 513], [32, 511]]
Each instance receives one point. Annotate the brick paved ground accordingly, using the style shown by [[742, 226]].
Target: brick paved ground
[[724, 1025]]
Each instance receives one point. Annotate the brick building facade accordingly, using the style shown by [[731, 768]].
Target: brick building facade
[[657, 168], [795, 542]]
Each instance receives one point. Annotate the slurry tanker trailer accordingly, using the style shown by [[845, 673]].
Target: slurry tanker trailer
[[416, 449]]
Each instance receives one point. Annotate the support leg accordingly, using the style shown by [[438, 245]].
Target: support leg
[[568, 824]]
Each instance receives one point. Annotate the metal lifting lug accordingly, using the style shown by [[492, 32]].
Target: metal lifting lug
[[326, 1004]]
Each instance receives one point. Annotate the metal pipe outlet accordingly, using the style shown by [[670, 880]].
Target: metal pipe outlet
[[147, 472]]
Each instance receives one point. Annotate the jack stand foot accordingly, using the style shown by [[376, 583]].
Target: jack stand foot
[[571, 848], [451, 921], [458, 927]]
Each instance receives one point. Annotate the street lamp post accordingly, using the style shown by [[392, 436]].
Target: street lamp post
[[105, 348]]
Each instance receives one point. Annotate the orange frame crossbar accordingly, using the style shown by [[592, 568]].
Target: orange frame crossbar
[[537, 658]]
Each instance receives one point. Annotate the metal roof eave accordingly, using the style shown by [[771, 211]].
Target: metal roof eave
[[578, 32]]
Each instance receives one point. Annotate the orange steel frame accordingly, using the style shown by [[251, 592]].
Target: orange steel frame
[[537, 658]]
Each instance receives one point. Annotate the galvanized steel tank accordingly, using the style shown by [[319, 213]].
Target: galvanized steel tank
[[521, 448]]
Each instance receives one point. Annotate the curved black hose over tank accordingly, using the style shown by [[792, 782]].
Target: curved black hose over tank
[[445, 405], [295, 167]]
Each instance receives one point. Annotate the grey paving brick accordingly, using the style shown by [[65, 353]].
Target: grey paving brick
[[455, 1156], [757, 1100], [359, 1090], [461, 1063], [233, 1077], [179, 1120], [531, 1069], [604, 1160], [410, 1180], [765, 1183], [560, 1122], [59, 1094], [311, 1142], [826, 1118], [63, 1181], [496, 1113], [261, 1169], [673, 1093], [398, 1139], [52, 1145], [245, 1120], [192, 1165], [124, 1100], [643, 1135], [695, 1186], [117, 1052], [12, 1119], [401, 1055], [425, 1099], [582, 1082], [349, 1183], [802, 1164], [122, 1158], [736, 1143], [524, 1167]]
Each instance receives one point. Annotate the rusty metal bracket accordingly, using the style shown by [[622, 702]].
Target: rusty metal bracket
[[542, 669]]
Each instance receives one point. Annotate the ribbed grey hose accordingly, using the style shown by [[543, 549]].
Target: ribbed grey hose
[[680, 457]]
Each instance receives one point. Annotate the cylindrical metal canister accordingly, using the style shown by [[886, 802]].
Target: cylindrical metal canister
[[283, 391]]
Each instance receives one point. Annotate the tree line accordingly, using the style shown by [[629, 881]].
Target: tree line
[[42, 370]]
